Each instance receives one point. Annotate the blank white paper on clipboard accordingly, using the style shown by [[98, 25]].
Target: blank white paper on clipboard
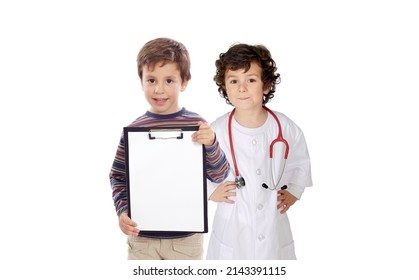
[[166, 179]]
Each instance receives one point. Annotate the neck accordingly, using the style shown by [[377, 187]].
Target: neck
[[251, 118]]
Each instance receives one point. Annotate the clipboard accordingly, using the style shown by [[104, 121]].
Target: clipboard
[[165, 171]]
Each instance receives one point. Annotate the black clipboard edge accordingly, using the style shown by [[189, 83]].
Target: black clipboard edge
[[128, 129]]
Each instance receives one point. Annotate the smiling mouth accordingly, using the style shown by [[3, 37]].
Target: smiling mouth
[[160, 100]]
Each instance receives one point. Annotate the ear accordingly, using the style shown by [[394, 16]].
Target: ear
[[184, 85], [266, 90]]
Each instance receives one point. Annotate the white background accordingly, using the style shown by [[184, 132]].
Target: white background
[[68, 85]]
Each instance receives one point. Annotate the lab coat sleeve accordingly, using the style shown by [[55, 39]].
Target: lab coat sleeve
[[298, 167], [295, 190]]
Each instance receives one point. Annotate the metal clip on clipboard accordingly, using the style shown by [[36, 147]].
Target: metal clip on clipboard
[[165, 134]]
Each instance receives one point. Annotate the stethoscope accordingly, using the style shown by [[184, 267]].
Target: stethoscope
[[239, 180]]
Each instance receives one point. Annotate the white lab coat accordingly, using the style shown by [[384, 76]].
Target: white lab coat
[[252, 227]]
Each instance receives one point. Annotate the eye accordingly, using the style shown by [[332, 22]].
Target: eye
[[151, 81], [232, 82], [252, 80], [169, 81]]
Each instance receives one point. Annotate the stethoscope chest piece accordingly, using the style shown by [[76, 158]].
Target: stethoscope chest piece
[[240, 182]]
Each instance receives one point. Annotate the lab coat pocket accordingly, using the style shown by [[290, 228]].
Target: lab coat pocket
[[288, 252], [218, 247], [217, 250]]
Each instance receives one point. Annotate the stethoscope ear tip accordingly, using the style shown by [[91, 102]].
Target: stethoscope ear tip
[[265, 186]]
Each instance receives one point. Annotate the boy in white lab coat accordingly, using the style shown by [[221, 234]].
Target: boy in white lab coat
[[266, 151]]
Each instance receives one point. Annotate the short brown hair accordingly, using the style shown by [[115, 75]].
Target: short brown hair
[[164, 50]]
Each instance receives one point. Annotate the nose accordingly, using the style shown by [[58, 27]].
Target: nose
[[158, 88], [242, 88]]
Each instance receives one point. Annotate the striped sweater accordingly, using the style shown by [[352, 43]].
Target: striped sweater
[[217, 166]]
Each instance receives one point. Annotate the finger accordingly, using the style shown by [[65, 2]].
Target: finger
[[129, 230], [203, 139], [127, 221], [281, 205], [200, 135], [133, 228], [231, 193], [288, 204], [205, 131], [197, 135], [133, 232], [229, 201], [227, 198], [202, 125], [201, 128], [284, 209], [127, 225], [204, 128], [230, 187], [131, 223], [282, 202], [283, 195], [282, 192]]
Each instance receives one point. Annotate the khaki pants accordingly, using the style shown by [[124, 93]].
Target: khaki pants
[[144, 248]]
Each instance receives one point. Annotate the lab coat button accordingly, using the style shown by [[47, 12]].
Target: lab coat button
[[254, 142], [260, 206], [258, 172], [261, 237]]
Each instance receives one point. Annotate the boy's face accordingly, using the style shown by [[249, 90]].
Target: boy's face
[[161, 86], [245, 89]]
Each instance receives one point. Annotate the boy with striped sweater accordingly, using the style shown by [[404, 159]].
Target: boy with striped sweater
[[164, 70]]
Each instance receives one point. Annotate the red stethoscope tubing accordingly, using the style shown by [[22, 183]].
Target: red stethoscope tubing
[[279, 138], [230, 138]]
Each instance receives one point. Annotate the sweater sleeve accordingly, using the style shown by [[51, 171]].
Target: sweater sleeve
[[117, 178], [217, 165]]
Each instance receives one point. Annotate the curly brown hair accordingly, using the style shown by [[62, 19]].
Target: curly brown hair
[[240, 56]]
